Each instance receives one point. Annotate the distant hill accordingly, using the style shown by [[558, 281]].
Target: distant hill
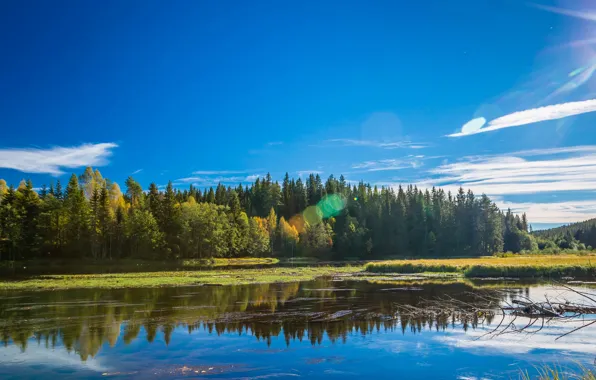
[[584, 231]]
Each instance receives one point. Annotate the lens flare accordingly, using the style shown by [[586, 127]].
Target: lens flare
[[331, 205], [473, 125], [576, 72], [312, 215]]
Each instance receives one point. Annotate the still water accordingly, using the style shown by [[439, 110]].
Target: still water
[[319, 329]]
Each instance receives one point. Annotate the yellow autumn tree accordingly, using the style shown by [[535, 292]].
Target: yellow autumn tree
[[3, 188], [271, 227], [117, 199], [288, 236], [258, 242]]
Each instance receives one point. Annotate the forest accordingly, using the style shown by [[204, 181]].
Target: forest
[[573, 236], [92, 218]]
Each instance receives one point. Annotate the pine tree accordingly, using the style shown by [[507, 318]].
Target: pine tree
[[10, 225], [58, 191], [93, 218], [77, 210], [169, 220]]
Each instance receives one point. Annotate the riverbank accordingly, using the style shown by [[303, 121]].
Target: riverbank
[[177, 278], [555, 266], [77, 266], [129, 274]]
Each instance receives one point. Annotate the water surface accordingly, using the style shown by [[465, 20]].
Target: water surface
[[316, 329]]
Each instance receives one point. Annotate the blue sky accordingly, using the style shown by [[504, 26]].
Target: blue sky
[[207, 91]]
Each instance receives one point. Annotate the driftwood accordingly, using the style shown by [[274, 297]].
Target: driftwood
[[484, 307], [534, 309]]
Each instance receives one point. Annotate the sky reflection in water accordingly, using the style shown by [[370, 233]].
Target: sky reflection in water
[[319, 329]]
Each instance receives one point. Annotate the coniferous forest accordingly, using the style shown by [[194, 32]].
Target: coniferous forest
[[92, 217], [575, 236]]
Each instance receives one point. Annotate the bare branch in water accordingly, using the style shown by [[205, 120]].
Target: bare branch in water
[[482, 308]]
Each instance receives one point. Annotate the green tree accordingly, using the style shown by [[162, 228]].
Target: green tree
[[205, 230], [258, 242], [134, 193], [10, 225], [77, 227], [28, 206], [143, 233]]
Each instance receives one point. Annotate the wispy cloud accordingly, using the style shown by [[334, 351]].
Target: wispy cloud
[[555, 212], [515, 344], [516, 173], [252, 177], [585, 15], [202, 181], [220, 172], [553, 151], [137, 171], [408, 162], [59, 357], [534, 115], [378, 144], [273, 143], [383, 165], [55, 159], [302, 173]]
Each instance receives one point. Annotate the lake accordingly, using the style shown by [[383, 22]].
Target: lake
[[317, 329]]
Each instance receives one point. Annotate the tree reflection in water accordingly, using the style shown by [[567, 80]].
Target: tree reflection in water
[[84, 320]]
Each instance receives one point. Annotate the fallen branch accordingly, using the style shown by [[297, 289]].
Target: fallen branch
[[482, 308]]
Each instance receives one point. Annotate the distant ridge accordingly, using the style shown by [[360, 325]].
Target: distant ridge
[[584, 231]]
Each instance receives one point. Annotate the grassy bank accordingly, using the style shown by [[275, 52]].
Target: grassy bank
[[78, 266], [519, 266], [232, 262], [176, 278]]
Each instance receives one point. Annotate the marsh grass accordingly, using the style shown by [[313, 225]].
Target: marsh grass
[[520, 266], [558, 373], [63, 266], [231, 262], [176, 278]]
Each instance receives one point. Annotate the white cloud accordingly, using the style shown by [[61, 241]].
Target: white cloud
[[551, 151], [555, 212], [473, 125], [251, 178], [513, 174], [219, 172], [273, 143], [408, 162], [202, 181], [534, 115], [585, 15], [379, 144], [59, 357], [137, 171], [302, 173], [54, 160], [535, 171], [578, 344]]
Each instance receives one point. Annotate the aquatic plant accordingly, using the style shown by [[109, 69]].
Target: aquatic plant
[[519, 266]]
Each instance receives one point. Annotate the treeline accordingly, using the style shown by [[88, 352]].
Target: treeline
[[575, 236], [93, 218]]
